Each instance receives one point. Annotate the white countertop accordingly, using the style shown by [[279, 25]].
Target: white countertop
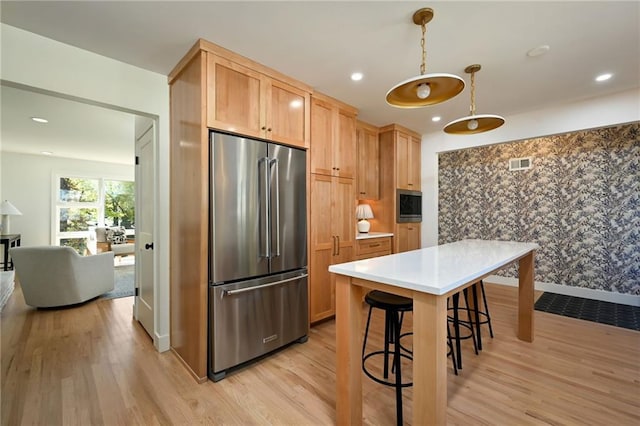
[[364, 236], [439, 269]]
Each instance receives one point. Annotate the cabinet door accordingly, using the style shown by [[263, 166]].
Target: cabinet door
[[285, 115], [344, 147], [332, 235], [343, 213], [323, 249], [322, 136], [414, 161], [413, 236], [235, 97], [368, 148], [407, 237], [402, 163]]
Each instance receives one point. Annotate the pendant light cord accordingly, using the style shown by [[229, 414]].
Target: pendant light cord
[[473, 93], [423, 65]]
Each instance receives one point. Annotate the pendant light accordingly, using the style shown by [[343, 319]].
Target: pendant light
[[474, 123], [425, 89]]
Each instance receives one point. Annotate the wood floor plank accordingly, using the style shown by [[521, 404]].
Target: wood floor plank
[[93, 364]]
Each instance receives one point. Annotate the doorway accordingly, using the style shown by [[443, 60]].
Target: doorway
[[82, 136]]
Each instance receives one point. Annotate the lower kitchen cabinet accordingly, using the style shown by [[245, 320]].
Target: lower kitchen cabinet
[[407, 237], [332, 236], [372, 247]]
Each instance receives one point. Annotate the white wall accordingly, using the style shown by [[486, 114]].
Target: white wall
[[623, 107], [39, 62], [27, 181]]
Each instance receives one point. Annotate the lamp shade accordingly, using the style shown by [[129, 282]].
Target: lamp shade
[[363, 211], [9, 209]]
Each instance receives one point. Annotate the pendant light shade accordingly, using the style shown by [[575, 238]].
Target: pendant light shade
[[474, 123], [425, 89]]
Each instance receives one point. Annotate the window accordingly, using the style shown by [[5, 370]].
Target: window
[[83, 203]]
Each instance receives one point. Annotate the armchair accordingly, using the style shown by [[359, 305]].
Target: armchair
[[57, 276]]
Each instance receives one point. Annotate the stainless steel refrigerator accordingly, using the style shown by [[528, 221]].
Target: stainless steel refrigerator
[[258, 250]]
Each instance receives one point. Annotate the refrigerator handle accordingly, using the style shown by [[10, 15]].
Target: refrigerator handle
[[277, 191], [267, 215]]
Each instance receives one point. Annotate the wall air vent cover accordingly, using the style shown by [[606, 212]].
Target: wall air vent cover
[[520, 163]]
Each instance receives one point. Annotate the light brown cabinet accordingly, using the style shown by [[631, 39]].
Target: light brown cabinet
[[368, 159], [243, 100], [372, 247], [408, 159], [408, 236], [400, 170], [333, 137], [332, 236]]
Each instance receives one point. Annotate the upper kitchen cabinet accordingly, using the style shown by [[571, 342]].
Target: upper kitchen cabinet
[[408, 158], [243, 100], [368, 155], [333, 137]]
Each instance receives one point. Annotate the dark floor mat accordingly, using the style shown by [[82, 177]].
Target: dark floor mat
[[624, 316]]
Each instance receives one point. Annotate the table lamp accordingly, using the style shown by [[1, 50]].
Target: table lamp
[[363, 212], [7, 209]]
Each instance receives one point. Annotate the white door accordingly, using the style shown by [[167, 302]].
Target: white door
[[145, 202]]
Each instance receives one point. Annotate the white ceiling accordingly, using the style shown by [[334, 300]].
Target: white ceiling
[[322, 43], [75, 130]]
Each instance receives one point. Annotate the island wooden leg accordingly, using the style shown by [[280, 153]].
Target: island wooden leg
[[525, 297], [429, 359], [348, 352]]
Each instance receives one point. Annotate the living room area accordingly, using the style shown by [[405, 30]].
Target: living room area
[[70, 176]]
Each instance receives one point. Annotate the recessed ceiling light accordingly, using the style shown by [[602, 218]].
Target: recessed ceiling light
[[604, 77], [39, 120], [436, 118], [538, 51], [46, 152], [356, 76]]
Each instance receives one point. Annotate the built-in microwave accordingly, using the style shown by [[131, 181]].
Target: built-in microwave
[[408, 206]]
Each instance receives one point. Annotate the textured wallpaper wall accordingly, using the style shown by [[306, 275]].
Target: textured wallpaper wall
[[580, 202]]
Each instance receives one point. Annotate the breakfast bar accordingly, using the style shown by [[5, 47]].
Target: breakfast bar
[[428, 276]]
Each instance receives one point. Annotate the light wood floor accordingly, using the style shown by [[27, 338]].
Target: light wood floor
[[93, 365]]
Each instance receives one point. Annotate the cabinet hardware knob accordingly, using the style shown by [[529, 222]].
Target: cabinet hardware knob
[[148, 246], [263, 128], [269, 129], [337, 168], [362, 193]]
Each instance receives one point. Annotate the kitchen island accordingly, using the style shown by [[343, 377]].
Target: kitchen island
[[428, 276]]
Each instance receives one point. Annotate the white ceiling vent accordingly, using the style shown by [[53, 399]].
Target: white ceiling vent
[[520, 163]]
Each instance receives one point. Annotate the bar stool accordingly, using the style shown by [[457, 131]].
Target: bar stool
[[478, 313], [394, 308], [473, 321], [458, 323]]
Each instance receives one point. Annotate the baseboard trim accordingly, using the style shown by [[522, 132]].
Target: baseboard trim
[[162, 343], [587, 293]]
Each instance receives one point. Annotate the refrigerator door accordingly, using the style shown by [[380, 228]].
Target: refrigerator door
[[288, 167], [239, 198], [251, 318]]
